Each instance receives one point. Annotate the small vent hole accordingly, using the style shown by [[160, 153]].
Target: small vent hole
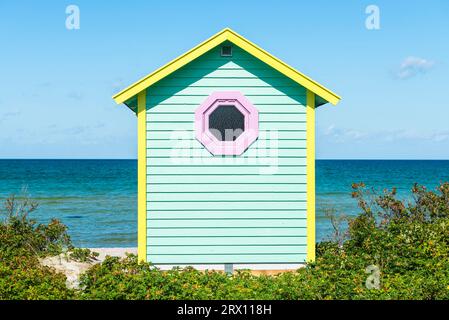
[[226, 51]]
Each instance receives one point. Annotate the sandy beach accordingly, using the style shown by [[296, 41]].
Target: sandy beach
[[73, 269]]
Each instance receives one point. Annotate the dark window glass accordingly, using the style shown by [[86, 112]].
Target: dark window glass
[[226, 123]]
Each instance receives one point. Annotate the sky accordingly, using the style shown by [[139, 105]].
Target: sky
[[56, 84]]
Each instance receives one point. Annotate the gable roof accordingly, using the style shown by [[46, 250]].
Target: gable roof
[[222, 36]]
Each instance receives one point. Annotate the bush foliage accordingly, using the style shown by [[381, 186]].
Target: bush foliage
[[391, 250], [22, 242]]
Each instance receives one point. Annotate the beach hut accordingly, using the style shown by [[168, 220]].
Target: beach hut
[[226, 158]]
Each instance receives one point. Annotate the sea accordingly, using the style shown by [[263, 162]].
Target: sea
[[97, 199]]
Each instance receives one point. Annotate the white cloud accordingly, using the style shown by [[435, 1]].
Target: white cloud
[[342, 135], [440, 137], [412, 66], [9, 114], [75, 95]]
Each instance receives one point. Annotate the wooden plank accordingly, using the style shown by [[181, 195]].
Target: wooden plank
[[225, 241], [235, 170], [142, 178], [230, 187], [225, 196], [190, 134], [190, 109], [260, 151], [219, 71], [176, 144], [215, 53], [264, 126], [227, 214], [224, 223], [198, 99], [216, 64], [212, 161], [224, 82], [220, 178], [208, 64], [231, 258], [216, 161], [203, 153], [219, 206], [226, 250], [227, 232], [207, 90], [190, 117]]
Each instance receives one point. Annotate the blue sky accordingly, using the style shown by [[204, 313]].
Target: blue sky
[[56, 84]]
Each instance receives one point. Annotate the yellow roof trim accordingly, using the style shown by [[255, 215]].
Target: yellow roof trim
[[212, 42]]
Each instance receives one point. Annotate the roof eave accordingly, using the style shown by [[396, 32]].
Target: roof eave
[[215, 40]]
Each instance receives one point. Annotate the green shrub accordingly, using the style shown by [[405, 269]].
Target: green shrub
[[22, 242], [406, 243], [22, 236], [82, 255], [391, 250], [25, 280]]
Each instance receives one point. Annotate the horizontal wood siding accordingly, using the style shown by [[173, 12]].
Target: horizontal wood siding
[[216, 209]]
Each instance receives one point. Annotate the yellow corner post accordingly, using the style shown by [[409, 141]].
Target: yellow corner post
[[142, 177], [310, 175]]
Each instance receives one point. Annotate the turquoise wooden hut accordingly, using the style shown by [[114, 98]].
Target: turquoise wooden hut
[[226, 158]]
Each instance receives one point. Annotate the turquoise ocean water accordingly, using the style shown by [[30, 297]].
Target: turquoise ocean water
[[97, 198]]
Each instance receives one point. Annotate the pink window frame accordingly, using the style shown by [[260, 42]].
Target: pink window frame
[[244, 140]]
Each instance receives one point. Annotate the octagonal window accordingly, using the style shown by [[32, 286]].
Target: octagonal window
[[226, 123]]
